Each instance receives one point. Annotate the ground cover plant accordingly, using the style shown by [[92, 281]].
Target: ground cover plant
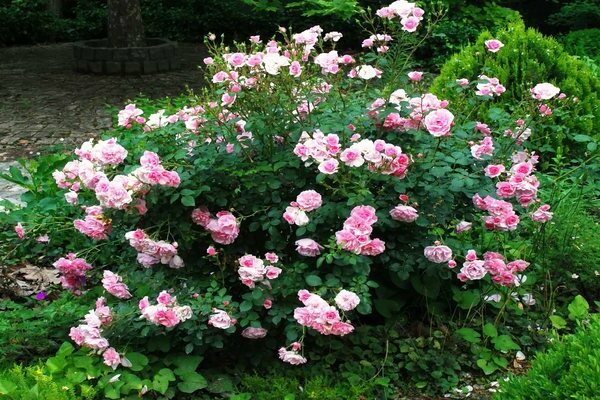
[[308, 208]]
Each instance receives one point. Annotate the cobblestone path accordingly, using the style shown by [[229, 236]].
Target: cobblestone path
[[44, 102]]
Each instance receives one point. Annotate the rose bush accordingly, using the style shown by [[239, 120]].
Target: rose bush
[[302, 194]]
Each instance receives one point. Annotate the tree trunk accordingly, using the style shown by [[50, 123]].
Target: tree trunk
[[125, 26], [55, 7]]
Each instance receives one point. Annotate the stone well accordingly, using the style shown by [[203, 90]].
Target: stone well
[[94, 56]]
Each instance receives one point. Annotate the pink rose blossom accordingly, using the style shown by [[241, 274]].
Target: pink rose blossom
[[20, 231], [493, 45], [439, 122], [220, 319], [114, 285], [111, 358], [494, 170], [404, 213], [308, 247], [346, 300], [254, 333], [544, 91], [438, 253], [309, 200], [415, 76]]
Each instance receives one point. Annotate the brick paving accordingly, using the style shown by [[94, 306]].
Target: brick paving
[[44, 102]]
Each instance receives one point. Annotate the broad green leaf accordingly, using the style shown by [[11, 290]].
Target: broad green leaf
[[490, 330]]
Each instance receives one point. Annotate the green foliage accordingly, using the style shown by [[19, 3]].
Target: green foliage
[[529, 58], [575, 15], [34, 383], [583, 43], [461, 26], [29, 331], [568, 370]]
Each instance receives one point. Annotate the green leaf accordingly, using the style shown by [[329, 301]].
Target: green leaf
[[504, 343], [138, 361], [6, 387], [470, 335], [313, 280], [65, 349], [558, 322], [188, 363], [487, 367], [191, 381], [490, 330], [245, 306], [188, 201], [578, 308], [56, 364], [582, 138]]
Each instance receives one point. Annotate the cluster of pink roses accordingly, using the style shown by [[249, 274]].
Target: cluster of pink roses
[[95, 224], [130, 115], [379, 40], [224, 229], [89, 334], [489, 86], [379, 156], [114, 285], [356, 234], [484, 148], [502, 273], [292, 356], [410, 15], [306, 201], [253, 270], [166, 312], [520, 183], [72, 271], [151, 172], [502, 216], [322, 317], [119, 192], [152, 252]]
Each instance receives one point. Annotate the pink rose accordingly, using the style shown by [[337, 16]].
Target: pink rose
[[404, 213], [309, 200], [463, 226], [220, 319], [347, 300], [308, 247], [415, 76], [472, 270], [544, 91], [493, 45], [254, 333], [494, 170], [111, 358], [439, 122], [329, 166], [438, 253]]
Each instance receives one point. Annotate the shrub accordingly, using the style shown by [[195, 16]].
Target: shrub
[[529, 57], [583, 43], [569, 369], [302, 194], [33, 382]]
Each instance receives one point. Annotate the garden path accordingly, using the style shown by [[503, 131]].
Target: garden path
[[44, 102]]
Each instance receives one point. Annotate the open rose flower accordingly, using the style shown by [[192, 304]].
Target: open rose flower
[[438, 253], [493, 45]]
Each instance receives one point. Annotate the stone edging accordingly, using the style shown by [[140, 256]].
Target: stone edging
[[93, 56]]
